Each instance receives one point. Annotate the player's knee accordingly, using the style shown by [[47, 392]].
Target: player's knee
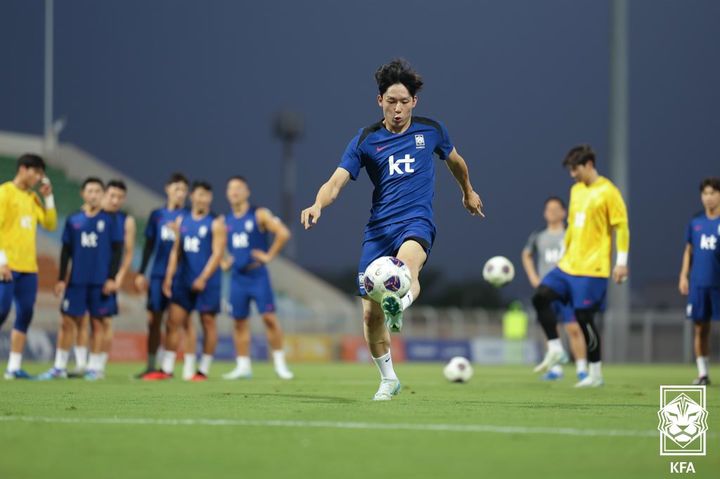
[[542, 298], [22, 321]]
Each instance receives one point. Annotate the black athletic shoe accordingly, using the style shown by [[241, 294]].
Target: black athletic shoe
[[702, 381]]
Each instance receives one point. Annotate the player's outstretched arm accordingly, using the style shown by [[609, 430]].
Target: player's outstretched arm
[[172, 261], [327, 193], [277, 228], [683, 283], [458, 168]]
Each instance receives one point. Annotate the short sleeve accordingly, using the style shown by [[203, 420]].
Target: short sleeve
[[151, 226], [67, 232], [616, 208], [444, 146], [531, 245], [351, 159]]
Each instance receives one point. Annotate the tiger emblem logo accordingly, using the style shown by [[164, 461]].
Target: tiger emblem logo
[[682, 420]]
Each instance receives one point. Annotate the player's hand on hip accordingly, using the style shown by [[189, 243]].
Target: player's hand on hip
[[59, 289], [309, 216], [140, 283], [684, 286], [5, 273], [620, 274], [167, 288], [199, 285], [109, 287], [227, 262], [260, 256], [473, 203]]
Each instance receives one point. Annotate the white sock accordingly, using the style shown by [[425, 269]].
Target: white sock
[[595, 369], [189, 365], [554, 345], [702, 365], [385, 365], [61, 359], [557, 369], [168, 362], [205, 362], [407, 300], [279, 359], [14, 362], [581, 365], [95, 362], [103, 361], [81, 357], [243, 362]]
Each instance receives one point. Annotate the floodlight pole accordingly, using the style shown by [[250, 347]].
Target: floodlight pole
[[618, 320], [289, 128], [49, 133]]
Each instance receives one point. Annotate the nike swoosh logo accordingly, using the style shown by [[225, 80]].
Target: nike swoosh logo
[[387, 360], [380, 148]]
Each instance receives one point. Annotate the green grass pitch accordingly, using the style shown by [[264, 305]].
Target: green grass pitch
[[504, 423]]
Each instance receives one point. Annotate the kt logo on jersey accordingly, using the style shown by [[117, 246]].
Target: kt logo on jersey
[[395, 165]]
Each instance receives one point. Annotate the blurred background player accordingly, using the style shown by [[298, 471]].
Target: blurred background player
[[398, 154], [159, 240], [580, 279], [540, 255], [248, 230], [93, 243], [20, 212], [700, 273], [193, 284]]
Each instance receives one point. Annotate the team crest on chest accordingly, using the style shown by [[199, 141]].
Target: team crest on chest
[[419, 141], [249, 226], [101, 226], [202, 232]]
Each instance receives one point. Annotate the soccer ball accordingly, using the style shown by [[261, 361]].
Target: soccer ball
[[386, 274], [498, 271], [458, 370]]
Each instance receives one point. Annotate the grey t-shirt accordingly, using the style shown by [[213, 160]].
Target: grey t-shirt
[[546, 248]]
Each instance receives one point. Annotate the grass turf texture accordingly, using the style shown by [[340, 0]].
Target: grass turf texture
[[340, 393]]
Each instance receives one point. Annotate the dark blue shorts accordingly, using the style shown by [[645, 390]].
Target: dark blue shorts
[[387, 240], [579, 292], [207, 301], [83, 298], [157, 302], [565, 312], [245, 289], [22, 291], [703, 304]]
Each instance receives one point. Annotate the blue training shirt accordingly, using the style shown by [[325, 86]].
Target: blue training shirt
[[90, 239], [196, 238], [244, 235], [704, 236], [159, 230], [401, 167]]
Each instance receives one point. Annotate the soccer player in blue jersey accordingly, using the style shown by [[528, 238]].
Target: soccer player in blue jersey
[[700, 273], [92, 242], [192, 282], [398, 154], [159, 240], [248, 230]]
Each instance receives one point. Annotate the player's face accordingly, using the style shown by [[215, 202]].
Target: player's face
[[554, 212], [114, 199], [30, 176], [237, 192], [397, 105], [580, 173], [201, 199], [92, 195], [710, 198], [177, 193]]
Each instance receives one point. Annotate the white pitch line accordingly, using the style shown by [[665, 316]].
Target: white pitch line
[[476, 428]]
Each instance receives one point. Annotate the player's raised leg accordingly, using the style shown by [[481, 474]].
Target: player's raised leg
[[378, 341], [414, 256]]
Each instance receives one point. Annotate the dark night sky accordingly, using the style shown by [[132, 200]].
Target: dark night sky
[[152, 87]]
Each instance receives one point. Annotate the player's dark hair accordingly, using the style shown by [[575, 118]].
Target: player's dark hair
[[711, 181], [398, 71], [239, 178], [177, 178], [200, 184], [119, 184], [556, 198], [92, 179], [30, 160], [579, 155]]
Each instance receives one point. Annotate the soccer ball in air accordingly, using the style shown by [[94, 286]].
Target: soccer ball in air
[[458, 370], [386, 274], [498, 271]]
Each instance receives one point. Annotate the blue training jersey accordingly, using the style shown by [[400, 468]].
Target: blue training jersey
[[90, 239], [196, 238], [401, 167], [159, 230], [703, 234], [244, 235]]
